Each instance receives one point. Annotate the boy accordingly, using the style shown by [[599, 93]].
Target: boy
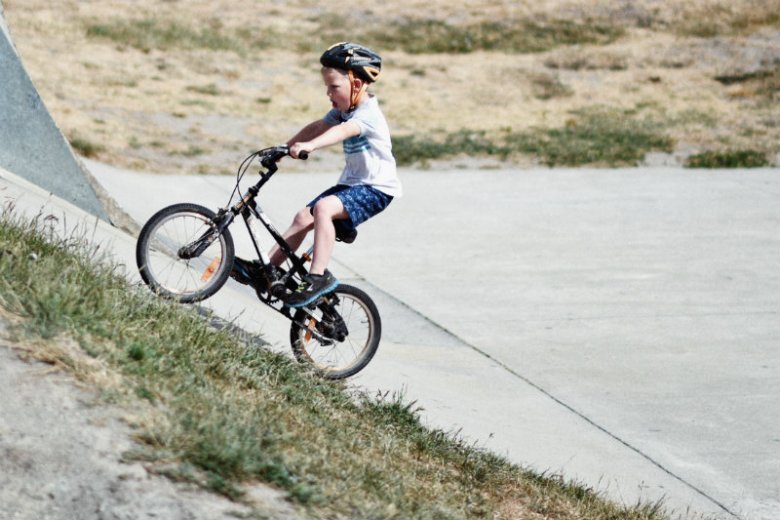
[[369, 181]]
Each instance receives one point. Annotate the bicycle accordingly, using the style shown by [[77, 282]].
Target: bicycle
[[185, 253]]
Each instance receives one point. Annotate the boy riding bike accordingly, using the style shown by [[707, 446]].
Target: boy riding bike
[[369, 181]]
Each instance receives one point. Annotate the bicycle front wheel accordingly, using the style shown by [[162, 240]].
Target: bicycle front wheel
[[340, 336], [180, 256]]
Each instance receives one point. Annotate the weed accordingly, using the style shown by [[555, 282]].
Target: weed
[[85, 147], [418, 36], [728, 159], [548, 86], [578, 59], [765, 82], [595, 136], [151, 33], [210, 90], [410, 149], [197, 102], [722, 19], [435, 36], [192, 151]]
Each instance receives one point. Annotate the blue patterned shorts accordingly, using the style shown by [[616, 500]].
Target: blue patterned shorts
[[361, 202]]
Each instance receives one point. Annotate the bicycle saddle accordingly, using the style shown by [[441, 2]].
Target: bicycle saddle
[[344, 232]]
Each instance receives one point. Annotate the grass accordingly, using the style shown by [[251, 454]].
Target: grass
[[548, 86], [84, 146], [757, 84], [152, 33], [728, 159], [413, 35], [209, 90], [435, 36], [724, 19], [422, 36], [192, 151], [600, 136], [225, 412]]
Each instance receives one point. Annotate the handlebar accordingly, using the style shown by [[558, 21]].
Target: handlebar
[[271, 156], [268, 158]]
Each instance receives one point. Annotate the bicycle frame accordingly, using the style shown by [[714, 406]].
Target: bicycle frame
[[248, 208]]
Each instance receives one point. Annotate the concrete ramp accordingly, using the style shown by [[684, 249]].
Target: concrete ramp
[[31, 144]]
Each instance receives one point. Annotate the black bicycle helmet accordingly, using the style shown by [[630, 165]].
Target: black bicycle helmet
[[362, 61]]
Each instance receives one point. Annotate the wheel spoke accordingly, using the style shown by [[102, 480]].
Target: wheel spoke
[[337, 359], [170, 275]]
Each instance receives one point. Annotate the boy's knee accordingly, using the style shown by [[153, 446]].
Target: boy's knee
[[303, 218], [319, 209], [328, 207]]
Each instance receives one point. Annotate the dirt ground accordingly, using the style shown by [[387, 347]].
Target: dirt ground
[[196, 110], [63, 454]]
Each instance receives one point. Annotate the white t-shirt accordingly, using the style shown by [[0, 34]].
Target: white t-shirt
[[369, 156]]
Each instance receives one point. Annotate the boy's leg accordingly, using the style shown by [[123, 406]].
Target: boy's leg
[[294, 235], [325, 212], [355, 204], [300, 227], [319, 280]]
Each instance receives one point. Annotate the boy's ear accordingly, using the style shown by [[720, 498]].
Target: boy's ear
[[358, 84]]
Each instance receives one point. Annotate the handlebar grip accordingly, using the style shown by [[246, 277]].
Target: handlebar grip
[[303, 156]]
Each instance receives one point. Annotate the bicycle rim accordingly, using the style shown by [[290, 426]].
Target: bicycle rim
[[185, 280], [339, 359]]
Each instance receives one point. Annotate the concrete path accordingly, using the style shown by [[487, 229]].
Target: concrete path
[[619, 327]]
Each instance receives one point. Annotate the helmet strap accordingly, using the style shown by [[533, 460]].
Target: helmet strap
[[356, 94]]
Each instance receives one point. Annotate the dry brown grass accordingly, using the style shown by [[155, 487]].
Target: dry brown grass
[[180, 108]]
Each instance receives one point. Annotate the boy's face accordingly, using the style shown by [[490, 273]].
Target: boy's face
[[338, 88]]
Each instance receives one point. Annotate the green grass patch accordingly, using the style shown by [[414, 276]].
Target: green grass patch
[[412, 35], [725, 19], [152, 33], [602, 137], [728, 159], [233, 412], [437, 36], [410, 149], [548, 86], [208, 90], [763, 83], [433, 36], [191, 151], [85, 147]]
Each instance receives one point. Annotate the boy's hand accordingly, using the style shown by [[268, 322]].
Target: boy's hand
[[297, 148]]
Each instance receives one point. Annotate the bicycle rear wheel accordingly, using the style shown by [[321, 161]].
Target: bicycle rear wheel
[[340, 336], [171, 272]]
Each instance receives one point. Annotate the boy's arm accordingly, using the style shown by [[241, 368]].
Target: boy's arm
[[331, 135], [309, 131]]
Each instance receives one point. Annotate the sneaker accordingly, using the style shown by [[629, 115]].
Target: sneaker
[[245, 271], [253, 273], [314, 286]]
